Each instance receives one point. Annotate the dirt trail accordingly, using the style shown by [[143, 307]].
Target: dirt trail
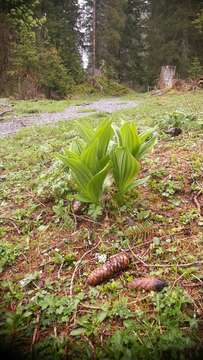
[[71, 112]]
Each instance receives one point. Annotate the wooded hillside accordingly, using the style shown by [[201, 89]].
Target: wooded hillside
[[42, 42]]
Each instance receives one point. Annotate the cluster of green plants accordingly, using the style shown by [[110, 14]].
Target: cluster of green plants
[[104, 155], [177, 119], [166, 335], [163, 336], [102, 85], [53, 309], [170, 329], [8, 254], [167, 187]]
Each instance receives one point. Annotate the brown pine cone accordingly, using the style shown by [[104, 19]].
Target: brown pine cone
[[114, 265], [148, 283]]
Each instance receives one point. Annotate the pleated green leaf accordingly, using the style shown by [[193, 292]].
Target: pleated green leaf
[[103, 136], [125, 168], [95, 186], [145, 147], [129, 137], [85, 130]]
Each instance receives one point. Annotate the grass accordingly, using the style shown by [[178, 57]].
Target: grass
[[149, 106], [41, 242], [25, 107]]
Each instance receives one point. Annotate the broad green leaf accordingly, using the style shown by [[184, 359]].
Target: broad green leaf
[[125, 168], [77, 332], [77, 146], [81, 173], [103, 136], [137, 183], [90, 159], [142, 181], [129, 137], [145, 147], [86, 131], [102, 316], [94, 155], [95, 186], [146, 135], [117, 134]]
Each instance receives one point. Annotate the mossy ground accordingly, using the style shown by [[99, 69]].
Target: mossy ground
[[41, 242]]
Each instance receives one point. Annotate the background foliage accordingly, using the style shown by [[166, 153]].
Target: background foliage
[[42, 43]]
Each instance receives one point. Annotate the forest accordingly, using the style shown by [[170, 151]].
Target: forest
[[101, 179], [43, 43]]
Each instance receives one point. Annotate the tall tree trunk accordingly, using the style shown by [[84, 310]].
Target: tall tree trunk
[[94, 42]]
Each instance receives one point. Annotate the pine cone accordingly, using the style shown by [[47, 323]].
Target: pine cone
[[148, 283], [114, 265]]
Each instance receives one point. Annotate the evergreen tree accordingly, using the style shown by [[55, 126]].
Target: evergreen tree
[[110, 21], [18, 21], [172, 38], [132, 68], [63, 32], [41, 41], [37, 37]]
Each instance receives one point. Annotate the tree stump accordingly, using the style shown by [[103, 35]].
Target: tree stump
[[167, 77]]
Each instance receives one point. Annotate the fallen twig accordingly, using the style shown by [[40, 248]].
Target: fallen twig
[[195, 199], [83, 217], [59, 272], [12, 222], [78, 264], [36, 329], [195, 263], [91, 346], [52, 247], [137, 257], [193, 284], [178, 279]]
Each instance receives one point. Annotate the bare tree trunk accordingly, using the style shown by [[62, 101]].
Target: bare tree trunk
[[94, 42]]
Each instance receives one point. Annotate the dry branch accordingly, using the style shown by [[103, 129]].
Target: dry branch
[[8, 220]]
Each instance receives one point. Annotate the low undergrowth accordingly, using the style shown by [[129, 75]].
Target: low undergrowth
[[48, 249]]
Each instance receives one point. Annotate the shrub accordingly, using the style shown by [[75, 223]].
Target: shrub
[[102, 85], [54, 79], [176, 119], [8, 254], [195, 69], [90, 163]]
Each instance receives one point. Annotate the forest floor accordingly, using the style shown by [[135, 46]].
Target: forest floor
[[16, 122], [47, 251]]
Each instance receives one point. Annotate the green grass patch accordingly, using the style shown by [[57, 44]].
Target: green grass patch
[[42, 242], [30, 107]]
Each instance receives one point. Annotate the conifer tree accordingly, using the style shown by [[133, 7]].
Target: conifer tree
[[172, 38], [133, 52], [63, 32], [110, 21]]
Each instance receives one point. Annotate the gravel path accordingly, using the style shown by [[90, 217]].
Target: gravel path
[[71, 112]]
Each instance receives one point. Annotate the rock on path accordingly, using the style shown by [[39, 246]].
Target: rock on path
[[71, 112]]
